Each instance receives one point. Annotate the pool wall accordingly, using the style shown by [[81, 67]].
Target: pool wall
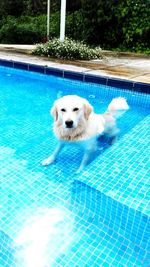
[[129, 223], [80, 76]]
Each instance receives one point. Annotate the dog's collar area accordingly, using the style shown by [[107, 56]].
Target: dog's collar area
[[72, 138]]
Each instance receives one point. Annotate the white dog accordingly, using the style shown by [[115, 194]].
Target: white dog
[[75, 122]]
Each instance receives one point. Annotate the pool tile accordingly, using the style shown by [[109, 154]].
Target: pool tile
[[6, 63], [36, 68], [21, 65], [95, 79], [73, 75], [100, 217], [142, 87], [120, 83], [54, 71]]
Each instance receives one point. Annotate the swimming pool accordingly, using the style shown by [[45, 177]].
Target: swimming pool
[[52, 216]]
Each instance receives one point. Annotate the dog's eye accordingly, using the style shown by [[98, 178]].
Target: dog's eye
[[75, 109], [63, 110]]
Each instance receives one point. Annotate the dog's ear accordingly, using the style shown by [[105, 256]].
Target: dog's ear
[[87, 109], [54, 111]]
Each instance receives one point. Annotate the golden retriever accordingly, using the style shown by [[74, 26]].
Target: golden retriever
[[76, 122]]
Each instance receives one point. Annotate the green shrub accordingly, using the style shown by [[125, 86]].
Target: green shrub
[[75, 26], [113, 24], [69, 49], [28, 29], [135, 25], [23, 30], [8, 31], [40, 22]]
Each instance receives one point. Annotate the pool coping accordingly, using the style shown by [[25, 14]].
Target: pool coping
[[76, 73]]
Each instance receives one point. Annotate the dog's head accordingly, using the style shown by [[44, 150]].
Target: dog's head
[[69, 111]]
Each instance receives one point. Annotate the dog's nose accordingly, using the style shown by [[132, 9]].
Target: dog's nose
[[69, 124]]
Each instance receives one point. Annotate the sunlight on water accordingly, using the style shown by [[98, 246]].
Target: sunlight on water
[[44, 237]]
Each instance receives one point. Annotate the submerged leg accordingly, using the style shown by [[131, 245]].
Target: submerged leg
[[52, 158], [85, 160], [92, 147]]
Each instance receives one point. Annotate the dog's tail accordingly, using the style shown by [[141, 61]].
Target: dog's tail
[[117, 107]]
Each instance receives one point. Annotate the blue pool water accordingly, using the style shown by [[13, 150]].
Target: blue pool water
[[53, 217]]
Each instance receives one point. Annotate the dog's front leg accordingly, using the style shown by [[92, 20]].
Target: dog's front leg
[[85, 160], [90, 148], [52, 158]]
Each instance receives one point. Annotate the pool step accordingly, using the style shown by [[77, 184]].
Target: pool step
[[116, 194], [104, 244], [121, 172], [127, 222]]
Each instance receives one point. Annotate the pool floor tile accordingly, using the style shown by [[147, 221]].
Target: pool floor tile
[[52, 217]]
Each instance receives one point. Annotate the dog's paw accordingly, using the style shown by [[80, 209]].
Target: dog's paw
[[47, 161], [80, 169]]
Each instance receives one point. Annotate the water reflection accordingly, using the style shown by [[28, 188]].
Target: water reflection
[[44, 237]]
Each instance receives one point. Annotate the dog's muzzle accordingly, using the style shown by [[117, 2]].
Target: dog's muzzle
[[69, 124]]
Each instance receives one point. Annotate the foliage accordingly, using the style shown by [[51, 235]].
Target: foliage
[[74, 26], [27, 29], [113, 24], [116, 24], [135, 24], [26, 7], [24, 30], [69, 49], [13, 8]]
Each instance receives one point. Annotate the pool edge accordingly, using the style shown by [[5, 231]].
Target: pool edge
[[79, 75]]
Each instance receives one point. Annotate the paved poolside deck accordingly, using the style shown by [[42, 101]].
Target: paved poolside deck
[[117, 65]]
